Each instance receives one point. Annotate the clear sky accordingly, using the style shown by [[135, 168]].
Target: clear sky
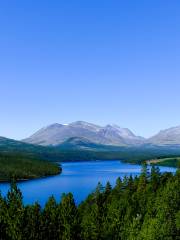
[[100, 61]]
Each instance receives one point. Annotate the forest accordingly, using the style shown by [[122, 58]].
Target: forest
[[143, 208], [22, 167]]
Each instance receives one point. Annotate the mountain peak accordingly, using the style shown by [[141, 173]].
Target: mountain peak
[[54, 125], [111, 134], [83, 123], [170, 136]]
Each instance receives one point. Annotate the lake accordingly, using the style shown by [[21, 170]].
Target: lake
[[80, 178]]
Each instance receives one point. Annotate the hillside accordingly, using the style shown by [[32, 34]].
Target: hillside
[[12, 146], [127, 154], [56, 134], [26, 161], [111, 134], [80, 143], [168, 137], [23, 167], [169, 162], [20, 155]]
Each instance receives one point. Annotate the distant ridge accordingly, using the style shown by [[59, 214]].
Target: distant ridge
[[56, 134], [11, 146], [170, 136], [111, 134]]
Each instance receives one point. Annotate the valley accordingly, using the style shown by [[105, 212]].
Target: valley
[[38, 155]]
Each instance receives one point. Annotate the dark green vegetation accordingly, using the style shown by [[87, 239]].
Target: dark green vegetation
[[134, 155], [170, 162], [77, 149], [22, 167], [30, 150], [27, 161], [88, 151], [144, 208]]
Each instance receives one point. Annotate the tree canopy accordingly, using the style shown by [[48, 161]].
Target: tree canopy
[[143, 208]]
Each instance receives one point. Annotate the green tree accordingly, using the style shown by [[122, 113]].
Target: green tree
[[32, 222], [69, 219], [155, 177], [15, 211], [50, 219]]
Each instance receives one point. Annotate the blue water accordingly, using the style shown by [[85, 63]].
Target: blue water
[[80, 178]]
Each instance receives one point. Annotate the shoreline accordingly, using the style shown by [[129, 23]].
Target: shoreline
[[30, 179], [151, 161]]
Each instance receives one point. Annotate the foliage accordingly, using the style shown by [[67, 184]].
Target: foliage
[[22, 167], [169, 162], [141, 208]]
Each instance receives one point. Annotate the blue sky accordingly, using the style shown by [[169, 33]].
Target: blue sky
[[97, 60]]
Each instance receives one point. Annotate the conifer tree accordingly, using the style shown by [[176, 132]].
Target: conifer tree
[[69, 218]]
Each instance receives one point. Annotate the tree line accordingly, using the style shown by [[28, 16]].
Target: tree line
[[23, 167], [143, 208]]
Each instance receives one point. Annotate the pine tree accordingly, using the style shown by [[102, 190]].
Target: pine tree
[[155, 177], [69, 218], [15, 211], [50, 219], [32, 222], [3, 219]]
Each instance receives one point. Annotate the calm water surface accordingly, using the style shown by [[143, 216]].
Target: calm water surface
[[80, 178]]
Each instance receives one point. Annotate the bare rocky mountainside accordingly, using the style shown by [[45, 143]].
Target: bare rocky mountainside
[[169, 136], [56, 134]]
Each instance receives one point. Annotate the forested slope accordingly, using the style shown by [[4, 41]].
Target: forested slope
[[23, 167]]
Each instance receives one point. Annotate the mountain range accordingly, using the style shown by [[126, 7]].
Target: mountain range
[[84, 134], [56, 134], [80, 141]]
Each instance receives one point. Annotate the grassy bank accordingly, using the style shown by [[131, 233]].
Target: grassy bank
[[167, 162]]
